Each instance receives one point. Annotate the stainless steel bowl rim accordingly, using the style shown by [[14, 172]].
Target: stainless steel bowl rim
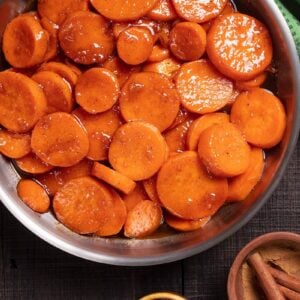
[[183, 253]]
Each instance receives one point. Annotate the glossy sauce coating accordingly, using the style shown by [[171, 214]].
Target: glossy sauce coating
[[239, 46], [97, 44], [199, 11], [202, 88]]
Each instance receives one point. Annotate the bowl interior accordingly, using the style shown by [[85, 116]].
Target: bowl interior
[[167, 245]]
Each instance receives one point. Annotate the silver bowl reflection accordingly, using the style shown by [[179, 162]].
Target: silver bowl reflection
[[164, 248]]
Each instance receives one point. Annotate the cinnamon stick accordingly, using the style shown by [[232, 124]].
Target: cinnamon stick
[[285, 279], [289, 294], [265, 278]]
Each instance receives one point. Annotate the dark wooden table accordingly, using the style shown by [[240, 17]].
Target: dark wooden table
[[31, 269]]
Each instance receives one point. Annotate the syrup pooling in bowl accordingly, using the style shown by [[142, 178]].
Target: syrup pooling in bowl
[[140, 113]]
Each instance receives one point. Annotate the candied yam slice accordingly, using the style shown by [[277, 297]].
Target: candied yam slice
[[60, 140], [57, 11], [188, 41], [135, 45], [202, 88], [240, 187], [33, 195], [82, 204], [163, 10], [197, 10], [85, 38], [118, 10], [137, 150], [100, 128], [167, 67], [150, 188], [144, 219], [113, 178], [149, 97], [31, 164], [65, 71], [22, 102], [185, 225], [224, 150], [260, 116], [14, 145], [202, 123], [239, 46], [176, 137], [57, 91], [116, 219], [187, 190], [25, 42], [97, 90], [136, 196]]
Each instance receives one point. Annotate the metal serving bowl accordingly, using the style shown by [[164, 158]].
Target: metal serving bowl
[[164, 248]]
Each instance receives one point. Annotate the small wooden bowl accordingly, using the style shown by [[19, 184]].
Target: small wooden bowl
[[234, 284]]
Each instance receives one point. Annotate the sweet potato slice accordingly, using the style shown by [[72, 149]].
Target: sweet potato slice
[[113, 178], [185, 225], [65, 71], [199, 125], [143, 219], [149, 97], [58, 177], [158, 53], [224, 150], [116, 220], [82, 204], [25, 42], [14, 145], [100, 129], [85, 38], [118, 10], [57, 91], [22, 102], [97, 90], [163, 10], [31, 164], [120, 69], [136, 196], [135, 45], [52, 30], [187, 190], [150, 188], [176, 137], [260, 116], [137, 150], [239, 46], [188, 41], [202, 88], [57, 11], [199, 11], [60, 140], [240, 187], [256, 82], [166, 67], [33, 195]]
